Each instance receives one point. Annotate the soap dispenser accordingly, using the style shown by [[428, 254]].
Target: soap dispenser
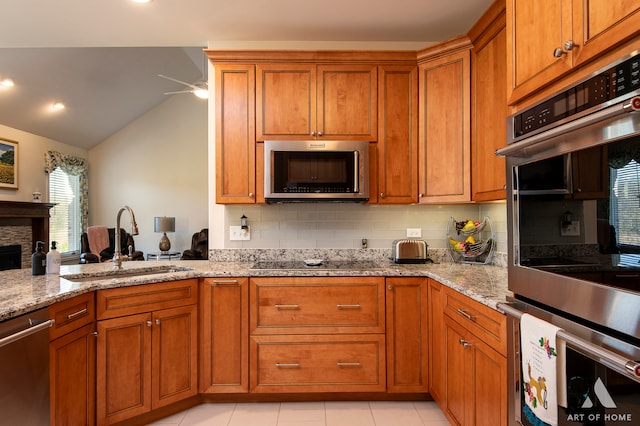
[[53, 260], [38, 260]]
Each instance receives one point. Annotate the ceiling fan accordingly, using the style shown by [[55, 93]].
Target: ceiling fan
[[201, 90]]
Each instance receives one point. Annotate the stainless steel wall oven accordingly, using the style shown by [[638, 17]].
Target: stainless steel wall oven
[[573, 211]]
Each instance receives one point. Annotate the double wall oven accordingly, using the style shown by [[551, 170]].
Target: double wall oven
[[573, 211]]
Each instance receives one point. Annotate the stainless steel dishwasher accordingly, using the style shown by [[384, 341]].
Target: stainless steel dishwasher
[[24, 369]]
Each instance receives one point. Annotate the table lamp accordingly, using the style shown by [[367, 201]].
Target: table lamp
[[164, 224]]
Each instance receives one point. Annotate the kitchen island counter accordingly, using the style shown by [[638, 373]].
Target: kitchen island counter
[[20, 292]]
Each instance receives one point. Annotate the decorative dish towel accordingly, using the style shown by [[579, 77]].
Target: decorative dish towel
[[543, 369]]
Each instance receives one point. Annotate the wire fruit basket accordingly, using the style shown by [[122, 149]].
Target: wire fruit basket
[[470, 241]]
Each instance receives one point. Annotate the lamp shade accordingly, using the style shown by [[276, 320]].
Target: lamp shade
[[164, 224]]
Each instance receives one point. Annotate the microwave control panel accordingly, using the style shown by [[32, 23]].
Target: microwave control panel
[[614, 82]]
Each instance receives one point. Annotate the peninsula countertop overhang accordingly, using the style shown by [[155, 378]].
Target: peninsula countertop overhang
[[20, 292]]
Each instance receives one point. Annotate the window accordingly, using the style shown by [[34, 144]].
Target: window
[[64, 224], [625, 205], [68, 189]]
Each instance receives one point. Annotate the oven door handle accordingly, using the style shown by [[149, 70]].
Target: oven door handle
[[617, 362]]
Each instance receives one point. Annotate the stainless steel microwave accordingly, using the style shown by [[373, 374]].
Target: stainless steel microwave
[[317, 170]]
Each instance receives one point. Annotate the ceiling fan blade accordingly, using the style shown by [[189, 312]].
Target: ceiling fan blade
[[181, 91], [180, 81]]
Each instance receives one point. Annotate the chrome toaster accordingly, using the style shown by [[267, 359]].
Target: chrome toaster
[[409, 251]]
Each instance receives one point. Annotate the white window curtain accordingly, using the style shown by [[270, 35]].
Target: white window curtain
[[68, 187]]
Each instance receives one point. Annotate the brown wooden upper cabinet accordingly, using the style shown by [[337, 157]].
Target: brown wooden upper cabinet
[[489, 105], [562, 36], [397, 147], [235, 134], [308, 101], [444, 129]]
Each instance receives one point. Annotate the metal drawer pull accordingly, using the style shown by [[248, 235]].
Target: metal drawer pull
[[348, 364], [627, 277], [287, 365], [225, 282], [348, 306], [287, 306], [77, 314], [465, 344], [466, 315]]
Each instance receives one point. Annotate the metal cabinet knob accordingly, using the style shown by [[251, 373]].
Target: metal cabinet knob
[[382, 195], [319, 133], [251, 195], [568, 46], [313, 133]]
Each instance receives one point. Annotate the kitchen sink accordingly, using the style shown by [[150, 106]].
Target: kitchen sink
[[125, 273]]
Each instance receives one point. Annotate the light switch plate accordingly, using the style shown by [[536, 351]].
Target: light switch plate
[[414, 232], [236, 233]]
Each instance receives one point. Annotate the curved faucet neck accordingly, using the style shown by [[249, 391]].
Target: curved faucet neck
[[117, 255]]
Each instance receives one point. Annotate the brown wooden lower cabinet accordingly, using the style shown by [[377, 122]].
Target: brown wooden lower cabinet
[[407, 335], [72, 369], [318, 363], [469, 366], [224, 335], [146, 360], [72, 361]]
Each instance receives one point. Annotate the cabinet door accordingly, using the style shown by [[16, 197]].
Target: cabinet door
[[438, 353], [489, 109], [398, 135], [445, 147], [123, 368], [598, 25], [347, 102], [174, 356], [407, 335], [285, 101], [224, 330], [72, 361], [489, 386], [459, 368], [531, 44], [235, 134]]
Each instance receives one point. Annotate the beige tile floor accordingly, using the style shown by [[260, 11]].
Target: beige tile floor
[[378, 413]]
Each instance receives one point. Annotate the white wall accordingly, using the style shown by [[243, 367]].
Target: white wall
[[31, 150], [157, 165]]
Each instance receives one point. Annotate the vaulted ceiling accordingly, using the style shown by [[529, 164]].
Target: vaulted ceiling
[[101, 57]]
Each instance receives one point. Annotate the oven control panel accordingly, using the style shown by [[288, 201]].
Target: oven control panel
[[614, 82]]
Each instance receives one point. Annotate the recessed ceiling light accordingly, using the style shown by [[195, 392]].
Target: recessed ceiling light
[[7, 82], [141, 1], [56, 106]]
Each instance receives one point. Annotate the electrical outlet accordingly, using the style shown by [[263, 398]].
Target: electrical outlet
[[571, 230], [414, 232], [236, 233]]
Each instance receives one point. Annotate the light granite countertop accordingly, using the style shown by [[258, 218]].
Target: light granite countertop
[[20, 292]]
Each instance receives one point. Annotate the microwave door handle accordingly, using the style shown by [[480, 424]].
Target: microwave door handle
[[356, 171]]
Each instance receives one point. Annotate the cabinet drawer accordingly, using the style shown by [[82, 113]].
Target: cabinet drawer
[[116, 302], [318, 363], [488, 325], [71, 314], [317, 305]]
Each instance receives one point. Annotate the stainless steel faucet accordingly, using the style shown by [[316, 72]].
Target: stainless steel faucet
[[117, 255]]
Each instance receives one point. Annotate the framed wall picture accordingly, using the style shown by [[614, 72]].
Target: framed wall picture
[[8, 164]]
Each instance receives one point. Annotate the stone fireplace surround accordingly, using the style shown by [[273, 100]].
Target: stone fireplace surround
[[24, 223]]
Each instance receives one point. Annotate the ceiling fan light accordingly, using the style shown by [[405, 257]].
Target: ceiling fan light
[[201, 93]]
